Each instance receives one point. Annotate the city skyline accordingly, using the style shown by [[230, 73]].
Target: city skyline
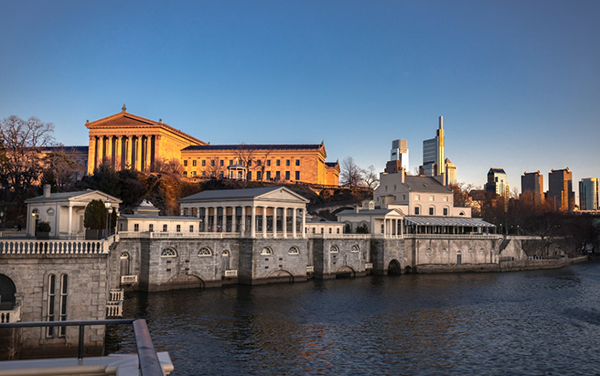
[[516, 83]]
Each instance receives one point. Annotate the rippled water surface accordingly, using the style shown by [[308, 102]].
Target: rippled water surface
[[526, 323]]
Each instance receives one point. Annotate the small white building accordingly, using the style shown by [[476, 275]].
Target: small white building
[[64, 211], [145, 218]]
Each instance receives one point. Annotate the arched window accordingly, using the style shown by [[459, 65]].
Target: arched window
[[204, 252], [64, 292], [334, 249], [294, 251], [266, 251], [355, 248], [225, 253], [417, 209], [428, 252], [168, 252], [7, 293], [51, 303], [432, 210], [124, 263], [50, 212]]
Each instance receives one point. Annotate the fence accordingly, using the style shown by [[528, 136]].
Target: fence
[[53, 247]]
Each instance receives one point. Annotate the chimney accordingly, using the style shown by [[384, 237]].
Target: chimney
[[356, 208], [47, 189]]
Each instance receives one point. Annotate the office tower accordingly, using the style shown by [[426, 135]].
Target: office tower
[[434, 153], [560, 190], [399, 152], [496, 182], [588, 194], [532, 184], [450, 172]]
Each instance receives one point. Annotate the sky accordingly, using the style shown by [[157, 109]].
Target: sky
[[517, 82]]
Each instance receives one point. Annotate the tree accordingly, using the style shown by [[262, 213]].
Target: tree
[[245, 156], [105, 179], [95, 216], [351, 174], [461, 194], [370, 178], [214, 169], [22, 141], [172, 166], [59, 170]]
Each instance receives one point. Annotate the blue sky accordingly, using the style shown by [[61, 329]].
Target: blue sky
[[517, 82]]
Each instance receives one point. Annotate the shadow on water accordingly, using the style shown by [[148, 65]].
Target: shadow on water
[[527, 323]]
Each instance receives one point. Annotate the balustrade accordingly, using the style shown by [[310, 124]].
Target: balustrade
[[53, 247], [11, 315]]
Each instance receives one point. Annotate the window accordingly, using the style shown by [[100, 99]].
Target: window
[[278, 162], [51, 303], [404, 197], [203, 163], [269, 162], [164, 228], [185, 163], [338, 230], [191, 228], [212, 163], [178, 228], [203, 174], [394, 187], [151, 227], [225, 253], [221, 174], [193, 172], [355, 248], [268, 175], [431, 198], [445, 211], [230, 162], [445, 198], [287, 162], [417, 197], [168, 252], [185, 174], [64, 292], [204, 252], [259, 163], [297, 162], [194, 163], [222, 163], [249, 175], [330, 230], [266, 251], [431, 211], [136, 227], [250, 163], [287, 175], [297, 175], [258, 175], [417, 210], [277, 175], [294, 251], [334, 249]]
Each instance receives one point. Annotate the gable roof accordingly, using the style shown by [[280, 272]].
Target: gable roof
[[496, 171], [425, 184], [239, 194], [71, 196], [125, 119]]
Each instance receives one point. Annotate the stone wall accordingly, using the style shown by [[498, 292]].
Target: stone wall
[[87, 292], [340, 257]]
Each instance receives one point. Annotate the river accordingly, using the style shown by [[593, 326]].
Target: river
[[523, 323]]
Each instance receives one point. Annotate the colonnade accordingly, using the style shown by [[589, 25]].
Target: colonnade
[[393, 227], [259, 220], [135, 152]]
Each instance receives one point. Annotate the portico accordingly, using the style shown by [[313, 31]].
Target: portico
[[273, 212]]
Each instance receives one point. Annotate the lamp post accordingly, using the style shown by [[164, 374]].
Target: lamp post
[[35, 217], [117, 224], [3, 221], [107, 205]]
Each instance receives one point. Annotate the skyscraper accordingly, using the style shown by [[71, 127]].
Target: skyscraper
[[434, 153], [532, 183], [496, 182], [560, 190], [399, 152], [588, 194]]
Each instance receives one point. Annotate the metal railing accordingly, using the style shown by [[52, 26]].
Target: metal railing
[[147, 357], [53, 247]]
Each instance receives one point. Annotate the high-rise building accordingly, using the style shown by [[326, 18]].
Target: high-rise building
[[434, 153], [588, 194], [496, 182], [532, 183], [450, 172], [560, 190], [399, 152]]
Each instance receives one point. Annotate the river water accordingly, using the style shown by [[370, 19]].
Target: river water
[[522, 323]]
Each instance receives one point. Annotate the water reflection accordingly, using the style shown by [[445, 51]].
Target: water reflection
[[540, 322]]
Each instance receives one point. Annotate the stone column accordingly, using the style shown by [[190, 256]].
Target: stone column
[[284, 222], [304, 222], [100, 150], [243, 222], [264, 221], [109, 149], [68, 222], [138, 152], [215, 218], [92, 157], [234, 219], [384, 229], [117, 155], [274, 221], [253, 223], [402, 227], [294, 223], [128, 152]]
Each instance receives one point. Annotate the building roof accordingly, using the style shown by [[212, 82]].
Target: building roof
[[497, 171], [332, 164], [447, 221], [368, 212], [425, 184], [67, 196], [76, 149], [160, 217], [256, 147], [237, 194]]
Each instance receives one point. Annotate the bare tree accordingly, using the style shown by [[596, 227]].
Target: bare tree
[[351, 174], [370, 177], [262, 164], [214, 168], [172, 166], [61, 168], [245, 156], [23, 141]]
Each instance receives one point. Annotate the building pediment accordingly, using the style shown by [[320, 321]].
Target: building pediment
[[122, 120]]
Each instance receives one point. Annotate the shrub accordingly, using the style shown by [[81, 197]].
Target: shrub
[[95, 215], [43, 227]]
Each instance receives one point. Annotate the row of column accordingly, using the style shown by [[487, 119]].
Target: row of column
[[204, 214], [135, 152], [393, 227]]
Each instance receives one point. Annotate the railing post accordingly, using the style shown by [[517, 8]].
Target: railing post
[[81, 339], [148, 360]]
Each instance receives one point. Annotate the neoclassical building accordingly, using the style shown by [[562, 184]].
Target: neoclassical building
[[131, 141]]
